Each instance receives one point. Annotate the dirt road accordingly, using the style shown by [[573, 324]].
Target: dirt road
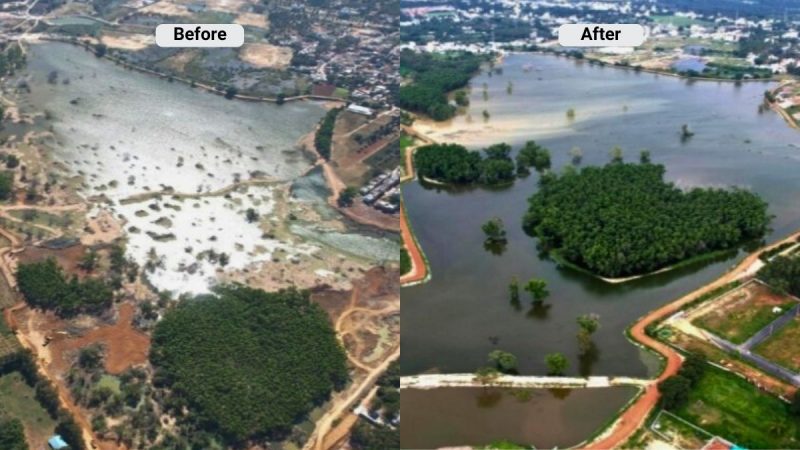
[[633, 418], [419, 270], [325, 423]]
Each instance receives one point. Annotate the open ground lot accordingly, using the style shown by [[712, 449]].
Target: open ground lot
[[726, 405], [783, 347], [740, 313]]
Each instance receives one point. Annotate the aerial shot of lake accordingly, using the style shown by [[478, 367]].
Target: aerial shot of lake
[[452, 322], [130, 136]]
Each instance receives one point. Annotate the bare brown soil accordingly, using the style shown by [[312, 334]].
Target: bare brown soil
[[358, 316], [266, 55], [124, 346], [68, 258], [252, 19]]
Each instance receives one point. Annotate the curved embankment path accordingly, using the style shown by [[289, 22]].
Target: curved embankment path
[[636, 414], [419, 268]]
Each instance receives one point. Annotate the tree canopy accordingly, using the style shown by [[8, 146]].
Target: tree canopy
[[432, 76], [324, 137], [453, 163], [783, 274], [557, 363], [624, 219], [503, 361], [12, 434], [45, 285], [248, 363]]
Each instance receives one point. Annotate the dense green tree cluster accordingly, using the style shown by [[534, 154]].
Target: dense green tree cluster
[[497, 168], [12, 434], [453, 163], [450, 163], [532, 155], [432, 76], [45, 285], [324, 137], [624, 219], [405, 262], [783, 274], [370, 437], [247, 364], [675, 389]]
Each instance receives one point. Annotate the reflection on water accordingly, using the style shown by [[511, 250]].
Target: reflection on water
[[545, 418]]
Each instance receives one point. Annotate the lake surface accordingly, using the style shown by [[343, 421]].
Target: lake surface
[[128, 133], [451, 323], [480, 416]]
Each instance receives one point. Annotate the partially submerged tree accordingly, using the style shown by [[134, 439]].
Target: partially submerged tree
[[538, 289], [494, 230], [513, 290], [504, 361], [588, 324], [557, 363]]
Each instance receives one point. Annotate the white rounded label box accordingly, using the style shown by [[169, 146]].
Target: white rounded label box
[[601, 35], [199, 35]]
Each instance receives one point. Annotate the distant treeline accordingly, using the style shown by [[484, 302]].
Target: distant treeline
[[624, 219], [432, 76]]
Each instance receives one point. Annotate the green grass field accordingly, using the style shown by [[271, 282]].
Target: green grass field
[[741, 318], [783, 347], [728, 406], [17, 399]]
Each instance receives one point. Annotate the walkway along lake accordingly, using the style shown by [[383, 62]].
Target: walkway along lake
[[451, 323]]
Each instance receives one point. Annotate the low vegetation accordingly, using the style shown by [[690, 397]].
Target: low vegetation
[[581, 215], [247, 363]]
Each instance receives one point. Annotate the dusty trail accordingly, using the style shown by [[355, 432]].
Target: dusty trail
[[318, 441], [633, 418]]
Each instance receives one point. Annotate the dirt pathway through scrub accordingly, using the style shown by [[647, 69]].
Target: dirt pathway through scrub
[[324, 424], [634, 417]]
